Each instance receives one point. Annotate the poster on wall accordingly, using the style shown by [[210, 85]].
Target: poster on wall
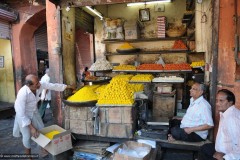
[[1, 62]]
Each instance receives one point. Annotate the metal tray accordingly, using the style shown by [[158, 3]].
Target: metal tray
[[108, 70], [80, 104], [114, 105], [134, 50], [104, 79]]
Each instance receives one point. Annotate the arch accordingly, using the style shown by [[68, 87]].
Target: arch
[[24, 49]]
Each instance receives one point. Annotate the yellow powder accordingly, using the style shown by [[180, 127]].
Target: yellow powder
[[126, 46], [51, 134]]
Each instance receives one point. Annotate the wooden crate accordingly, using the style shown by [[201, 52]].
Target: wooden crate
[[163, 105]]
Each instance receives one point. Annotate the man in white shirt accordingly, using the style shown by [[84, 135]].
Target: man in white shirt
[[27, 119], [45, 95], [227, 144], [197, 120]]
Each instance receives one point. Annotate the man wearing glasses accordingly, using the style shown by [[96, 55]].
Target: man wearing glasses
[[197, 121]]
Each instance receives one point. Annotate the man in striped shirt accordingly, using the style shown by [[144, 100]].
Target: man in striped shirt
[[197, 120]]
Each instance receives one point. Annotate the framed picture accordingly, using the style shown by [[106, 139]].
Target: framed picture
[[144, 14], [1, 62]]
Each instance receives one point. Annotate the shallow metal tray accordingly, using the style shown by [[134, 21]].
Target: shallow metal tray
[[80, 104]]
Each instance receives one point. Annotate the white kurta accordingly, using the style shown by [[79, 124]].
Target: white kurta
[[27, 111], [228, 141], [198, 113]]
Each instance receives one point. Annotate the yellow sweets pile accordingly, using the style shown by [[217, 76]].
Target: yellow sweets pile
[[125, 46], [142, 78], [87, 93], [137, 87], [100, 89], [197, 64], [125, 77], [51, 134], [125, 67], [118, 92]]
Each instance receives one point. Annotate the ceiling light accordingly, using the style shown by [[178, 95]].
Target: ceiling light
[[150, 2], [95, 12], [136, 4]]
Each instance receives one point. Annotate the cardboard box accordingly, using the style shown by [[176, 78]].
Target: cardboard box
[[132, 145], [60, 142]]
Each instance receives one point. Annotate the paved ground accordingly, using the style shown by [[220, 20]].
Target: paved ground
[[12, 145]]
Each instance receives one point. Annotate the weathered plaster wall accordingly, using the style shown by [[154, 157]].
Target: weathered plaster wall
[[68, 42], [203, 32], [7, 89]]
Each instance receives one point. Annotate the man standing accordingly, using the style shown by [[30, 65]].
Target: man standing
[[227, 141], [46, 95], [197, 120], [27, 119]]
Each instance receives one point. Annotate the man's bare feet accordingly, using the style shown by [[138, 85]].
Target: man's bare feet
[[170, 138]]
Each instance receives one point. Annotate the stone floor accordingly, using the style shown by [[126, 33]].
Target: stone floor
[[12, 145]]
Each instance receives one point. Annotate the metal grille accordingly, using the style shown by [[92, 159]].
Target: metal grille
[[84, 20], [41, 38]]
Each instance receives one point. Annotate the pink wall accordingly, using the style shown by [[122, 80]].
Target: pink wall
[[24, 51], [83, 52]]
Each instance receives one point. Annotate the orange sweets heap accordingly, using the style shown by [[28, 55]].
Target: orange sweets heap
[[183, 66], [87, 93], [125, 67], [150, 67], [142, 78], [179, 45], [118, 92]]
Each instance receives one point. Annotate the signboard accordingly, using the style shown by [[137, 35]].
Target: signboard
[[1, 62]]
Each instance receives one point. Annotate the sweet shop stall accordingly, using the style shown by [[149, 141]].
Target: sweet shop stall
[[143, 68]]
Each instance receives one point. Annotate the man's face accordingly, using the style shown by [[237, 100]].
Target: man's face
[[222, 102], [196, 91], [36, 85]]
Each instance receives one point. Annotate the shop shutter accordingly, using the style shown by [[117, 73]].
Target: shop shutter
[[4, 30], [84, 20], [41, 38]]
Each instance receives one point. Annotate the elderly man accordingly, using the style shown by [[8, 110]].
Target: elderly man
[[227, 142], [27, 119], [197, 120]]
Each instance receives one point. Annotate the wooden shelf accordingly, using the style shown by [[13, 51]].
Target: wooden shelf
[[153, 71], [155, 52], [144, 40]]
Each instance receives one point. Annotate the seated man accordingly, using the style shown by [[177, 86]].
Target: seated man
[[227, 142], [197, 120]]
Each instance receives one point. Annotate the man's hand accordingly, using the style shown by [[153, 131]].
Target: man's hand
[[33, 131], [218, 155], [188, 130]]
